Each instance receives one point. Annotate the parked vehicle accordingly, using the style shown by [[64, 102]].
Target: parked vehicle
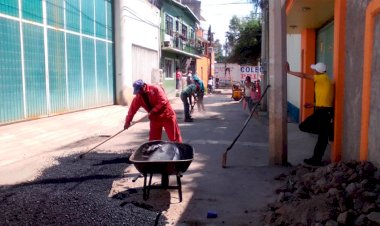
[[237, 92]]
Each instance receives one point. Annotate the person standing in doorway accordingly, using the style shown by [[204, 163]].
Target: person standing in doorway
[[161, 114], [320, 122]]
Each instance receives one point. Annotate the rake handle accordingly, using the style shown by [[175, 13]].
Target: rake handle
[[109, 138]]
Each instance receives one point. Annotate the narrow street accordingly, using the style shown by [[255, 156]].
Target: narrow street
[[98, 189], [239, 193]]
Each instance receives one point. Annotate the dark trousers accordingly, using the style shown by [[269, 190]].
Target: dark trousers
[[249, 103], [320, 122], [209, 88], [186, 105]]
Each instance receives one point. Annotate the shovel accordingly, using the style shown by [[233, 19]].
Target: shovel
[[224, 160]]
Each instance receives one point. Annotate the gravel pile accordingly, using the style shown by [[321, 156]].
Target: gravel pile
[[74, 193], [343, 193]]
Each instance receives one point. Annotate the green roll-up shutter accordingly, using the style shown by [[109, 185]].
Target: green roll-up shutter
[[72, 15], [74, 73], [100, 17], [35, 79], [89, 72], [57, 65], [111, 79], [101, 70], [57, 72], [11, 90], [9, 7], [32, 10], [88, 18], [55, 13]]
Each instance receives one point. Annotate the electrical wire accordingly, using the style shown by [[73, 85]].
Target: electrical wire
[[227, 3], [138, 18]]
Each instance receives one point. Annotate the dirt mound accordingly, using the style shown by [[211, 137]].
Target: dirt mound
[[343, 193]]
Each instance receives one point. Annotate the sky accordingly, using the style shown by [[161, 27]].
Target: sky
[[218, 14]]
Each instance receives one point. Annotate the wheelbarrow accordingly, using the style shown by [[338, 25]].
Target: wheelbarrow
[[165, 158]]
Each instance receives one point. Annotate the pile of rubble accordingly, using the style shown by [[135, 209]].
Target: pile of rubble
[[343, 193]]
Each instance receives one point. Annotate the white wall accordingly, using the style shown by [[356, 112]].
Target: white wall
[[293, 42], [137, 23]]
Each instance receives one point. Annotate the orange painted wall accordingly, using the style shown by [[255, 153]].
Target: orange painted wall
[[203, 67], [308, 39], [203, 64], [339, 75], [289, 5]]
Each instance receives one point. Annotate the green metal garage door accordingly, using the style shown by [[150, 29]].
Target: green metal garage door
[[55, 65]]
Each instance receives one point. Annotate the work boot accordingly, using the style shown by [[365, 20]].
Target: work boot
[[189, 120], [313, 162]]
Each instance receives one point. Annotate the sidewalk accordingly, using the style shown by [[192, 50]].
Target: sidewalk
[[27, 142]]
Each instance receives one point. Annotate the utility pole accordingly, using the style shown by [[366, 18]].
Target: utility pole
[[264, 4], [278, 128]]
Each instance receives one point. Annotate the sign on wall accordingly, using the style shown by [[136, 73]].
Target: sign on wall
[[232, 73], [255, 72]]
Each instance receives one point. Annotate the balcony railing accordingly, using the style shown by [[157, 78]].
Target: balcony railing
[[177, 41]]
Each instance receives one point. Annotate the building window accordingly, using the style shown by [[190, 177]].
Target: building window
[[168, 25], [176, 25], [184, 31], [169, 68], [192, 34]]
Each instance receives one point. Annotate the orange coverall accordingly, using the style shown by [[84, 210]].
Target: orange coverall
[[161, 115]]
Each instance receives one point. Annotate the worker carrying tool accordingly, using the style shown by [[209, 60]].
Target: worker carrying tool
[[160, 112]]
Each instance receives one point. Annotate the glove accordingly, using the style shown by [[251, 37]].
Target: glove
[[127, 125]]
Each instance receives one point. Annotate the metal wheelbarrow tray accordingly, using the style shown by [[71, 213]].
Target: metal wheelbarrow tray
[[165, 158]]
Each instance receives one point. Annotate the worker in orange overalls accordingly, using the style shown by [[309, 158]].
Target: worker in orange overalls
[[161, 115]]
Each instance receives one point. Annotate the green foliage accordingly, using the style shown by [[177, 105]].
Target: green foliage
[[243, 44], [233, 34], [218, 48]]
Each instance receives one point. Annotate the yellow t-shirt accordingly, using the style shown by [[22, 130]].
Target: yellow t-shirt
[[323, 91]]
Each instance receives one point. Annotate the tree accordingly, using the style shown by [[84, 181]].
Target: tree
[[210, 35], [244, 40], [233, 34], [218, 48], [259, 4]]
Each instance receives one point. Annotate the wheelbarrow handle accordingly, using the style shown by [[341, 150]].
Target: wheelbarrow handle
[[137, 177]]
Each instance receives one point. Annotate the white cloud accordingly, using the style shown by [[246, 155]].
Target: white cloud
[[218, 14]]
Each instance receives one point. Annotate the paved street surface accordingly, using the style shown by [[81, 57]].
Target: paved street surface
[[43, 182]]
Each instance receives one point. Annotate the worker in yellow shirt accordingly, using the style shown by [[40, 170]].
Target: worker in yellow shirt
[[320, 122]]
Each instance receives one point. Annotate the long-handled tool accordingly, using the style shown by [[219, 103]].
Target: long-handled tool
[[192, 108], [224, 160], [83, 154]]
